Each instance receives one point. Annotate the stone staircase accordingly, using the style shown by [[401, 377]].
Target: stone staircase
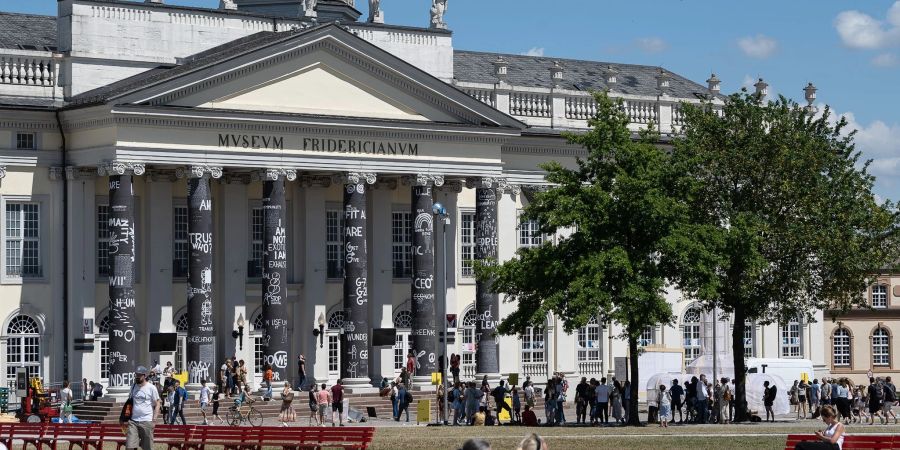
[[106, 410]]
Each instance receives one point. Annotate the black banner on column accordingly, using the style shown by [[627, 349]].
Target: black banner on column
[[355, 340], [201, 339], [487, 305], [275, 312], [123, 347], [424, 327]]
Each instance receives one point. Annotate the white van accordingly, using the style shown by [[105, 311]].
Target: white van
[[788, 369]]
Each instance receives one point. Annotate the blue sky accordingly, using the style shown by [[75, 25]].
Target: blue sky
[[849, 50]]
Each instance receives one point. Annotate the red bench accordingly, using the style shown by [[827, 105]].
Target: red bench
[[851, 441]]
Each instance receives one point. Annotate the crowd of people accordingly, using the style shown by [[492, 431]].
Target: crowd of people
[[854, 403]]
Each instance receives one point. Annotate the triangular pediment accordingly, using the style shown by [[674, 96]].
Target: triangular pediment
[[323, 71], [318, 89]]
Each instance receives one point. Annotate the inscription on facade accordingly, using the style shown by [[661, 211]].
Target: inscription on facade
[[312, 144]]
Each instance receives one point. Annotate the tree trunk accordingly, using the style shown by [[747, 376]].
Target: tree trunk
[[741, 413], [632, 406]]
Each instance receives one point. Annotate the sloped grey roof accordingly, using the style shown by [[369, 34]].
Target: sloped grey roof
[[17, 30], [534, 71]]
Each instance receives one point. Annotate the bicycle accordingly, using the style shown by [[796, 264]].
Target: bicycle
[[246, 412]]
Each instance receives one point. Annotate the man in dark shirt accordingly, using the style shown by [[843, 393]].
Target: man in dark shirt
[[499, 394], [337, 402], [581, 400], [677, 393], [301, 372]]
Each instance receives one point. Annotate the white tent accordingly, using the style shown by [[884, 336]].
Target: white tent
[[754, 390]]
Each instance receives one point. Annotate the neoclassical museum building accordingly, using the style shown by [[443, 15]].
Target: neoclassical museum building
[[260, 179]]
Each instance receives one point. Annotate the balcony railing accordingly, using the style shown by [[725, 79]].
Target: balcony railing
[[28, 73]]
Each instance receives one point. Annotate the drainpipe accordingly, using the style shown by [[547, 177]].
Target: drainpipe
[[65, 240]]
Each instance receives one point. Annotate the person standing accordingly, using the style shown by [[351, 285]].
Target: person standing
[[144, 408], [876, 397], [404, 398], [615, 399], [287, 411], [203, 400], [702, 401], [499, 394], [456, 401], [217, 394], [410, 364], [337, 402], [301, 372], [725, 401], [323, 397], [801, 399], [84, 389], [178, 404], [516, 405], [815, 398], [665, 406], [473, 400], [454, 367], [890, 399], [65, 403], [582, 398], [769, 393], [314, 404], [677, 394], [602, 394]]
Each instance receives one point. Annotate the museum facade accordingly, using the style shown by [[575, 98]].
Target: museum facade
[[261, 180]]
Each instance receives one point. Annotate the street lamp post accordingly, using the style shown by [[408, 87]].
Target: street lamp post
[[441, 213]]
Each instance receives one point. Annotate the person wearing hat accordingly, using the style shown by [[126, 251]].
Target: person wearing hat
[[144, 409]]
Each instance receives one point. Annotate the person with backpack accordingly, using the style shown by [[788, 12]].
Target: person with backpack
[[876, 397], [177, 407], [890, 399], [456, 402], [499, 395], [139, 416]]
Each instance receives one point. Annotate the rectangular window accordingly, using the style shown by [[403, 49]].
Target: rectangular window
[[180, 251], [749, 329], [259, 354], [102, 240], [842, 348], [257, 231], [529, 234], [790, 340], [180, 356], [589, 343], [104, 359], [533, 345], [25, 141], [467, 244], [401, 349], [334, 242], [879, 296], [647, 336], [401, 249], [23, 252], [334, 353]]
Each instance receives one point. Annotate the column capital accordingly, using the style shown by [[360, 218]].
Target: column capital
[[505, 187], [2, 173], [481, 182], [79, 173], [355, 178], [271, 174], [422, 179], [56, 173], [199, 171], [116, 167]]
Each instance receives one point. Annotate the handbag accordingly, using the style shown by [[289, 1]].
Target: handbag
[[127, 410]]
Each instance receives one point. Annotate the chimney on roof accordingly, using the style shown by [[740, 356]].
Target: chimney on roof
[[610, 72], [713, 83], [556, 74], [500, 68]]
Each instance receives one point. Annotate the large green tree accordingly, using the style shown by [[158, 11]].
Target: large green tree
[[783, 221], [614, 212]]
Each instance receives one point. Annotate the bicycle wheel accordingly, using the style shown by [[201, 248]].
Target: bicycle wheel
[[255, 417], [233, 417]]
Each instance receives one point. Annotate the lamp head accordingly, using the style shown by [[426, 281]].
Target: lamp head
[[321, 320], [240, 320], [438, 209]]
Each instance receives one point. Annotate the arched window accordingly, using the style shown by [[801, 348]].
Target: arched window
[[23, 347], [790, 339], [881, 348], [467, 349], [690, 332], [403, 324], [102, 339], [840, 343], [879, 296], [333, 338]]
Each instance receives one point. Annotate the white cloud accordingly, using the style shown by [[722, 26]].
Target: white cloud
[[651, 44], [886, 60], [759, 46], [535, 51], [860, 30]]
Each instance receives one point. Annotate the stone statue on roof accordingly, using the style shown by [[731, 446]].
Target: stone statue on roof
[[438, 9], [309, 8], [227, 4], [375, 13]]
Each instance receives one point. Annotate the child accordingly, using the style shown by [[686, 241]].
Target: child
[[517, 405]]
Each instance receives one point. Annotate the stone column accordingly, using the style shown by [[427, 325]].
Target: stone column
[[123, 345], [425, 325], [275, 311], [201, 339], [487, 303], [355, 337]]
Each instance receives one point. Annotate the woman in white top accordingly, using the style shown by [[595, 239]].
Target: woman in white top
[[65, 403], [831, 438]]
